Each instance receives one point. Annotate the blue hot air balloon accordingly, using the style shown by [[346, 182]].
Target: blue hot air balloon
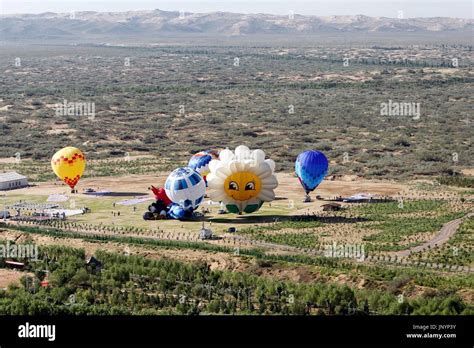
[[178, 213], [200, 162], [311, 167], [185, 187]]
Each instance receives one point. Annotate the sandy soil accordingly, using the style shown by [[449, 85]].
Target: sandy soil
[[9, 276], [468, 172], [8, 160], [289, 189]]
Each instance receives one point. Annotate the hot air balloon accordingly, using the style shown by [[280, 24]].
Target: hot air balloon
[[200, 162], [176, 212], [243, 180], [160, 195], [185, 187], [311, 167], [69, 164]]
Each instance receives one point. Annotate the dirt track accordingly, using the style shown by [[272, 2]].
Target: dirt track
[[440, 238]]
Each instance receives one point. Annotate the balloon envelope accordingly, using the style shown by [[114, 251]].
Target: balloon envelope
[[311, 167], [69, 164], [243, 180], [185, 187], [177, 212], [160, 194], [200, 162]]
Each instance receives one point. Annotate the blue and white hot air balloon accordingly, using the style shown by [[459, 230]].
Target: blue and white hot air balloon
[[176, 212], [200, 162], [311, 167], [185, 187]]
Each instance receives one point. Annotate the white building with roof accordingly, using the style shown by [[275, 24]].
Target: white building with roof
[[12, 180]]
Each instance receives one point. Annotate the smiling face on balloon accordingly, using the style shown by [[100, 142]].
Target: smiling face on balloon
[[242, 180], [242, 186]]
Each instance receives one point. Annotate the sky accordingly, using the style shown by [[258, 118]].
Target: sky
[[382, 8]]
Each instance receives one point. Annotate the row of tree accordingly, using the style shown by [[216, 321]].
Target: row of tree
[[120, 284]]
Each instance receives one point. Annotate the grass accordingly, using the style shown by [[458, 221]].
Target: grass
[[398, 226], [395, 230], [37, 170], [284, 225], [272, 233], [380, 210], [257, 253], [459, 181], [396, 233], [460, 248], [299, 240], [328, 266]]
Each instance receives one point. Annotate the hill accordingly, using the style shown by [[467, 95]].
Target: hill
[[149, 24]]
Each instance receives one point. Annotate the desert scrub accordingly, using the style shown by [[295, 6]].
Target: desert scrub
[[396, 230], [460, 248], [299, 240], [376, 211], [293, 224], [457, 180]]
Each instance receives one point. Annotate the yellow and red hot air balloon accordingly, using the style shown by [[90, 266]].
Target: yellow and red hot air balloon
[[69, 164]]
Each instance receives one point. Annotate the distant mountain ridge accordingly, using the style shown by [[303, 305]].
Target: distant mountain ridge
[[150, 23]]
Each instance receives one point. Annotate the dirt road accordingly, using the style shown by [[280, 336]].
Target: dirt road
[[440, 238]]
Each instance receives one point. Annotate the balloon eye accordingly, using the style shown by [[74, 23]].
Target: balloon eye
[[250, 186], [233, 186]]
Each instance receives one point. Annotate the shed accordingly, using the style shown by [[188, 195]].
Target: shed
[[12, 180]]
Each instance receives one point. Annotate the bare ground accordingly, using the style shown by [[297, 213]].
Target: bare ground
[[9, 277]]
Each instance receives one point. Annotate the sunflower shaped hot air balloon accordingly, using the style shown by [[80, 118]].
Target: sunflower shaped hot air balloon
[[69, 164], [243, 180]]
